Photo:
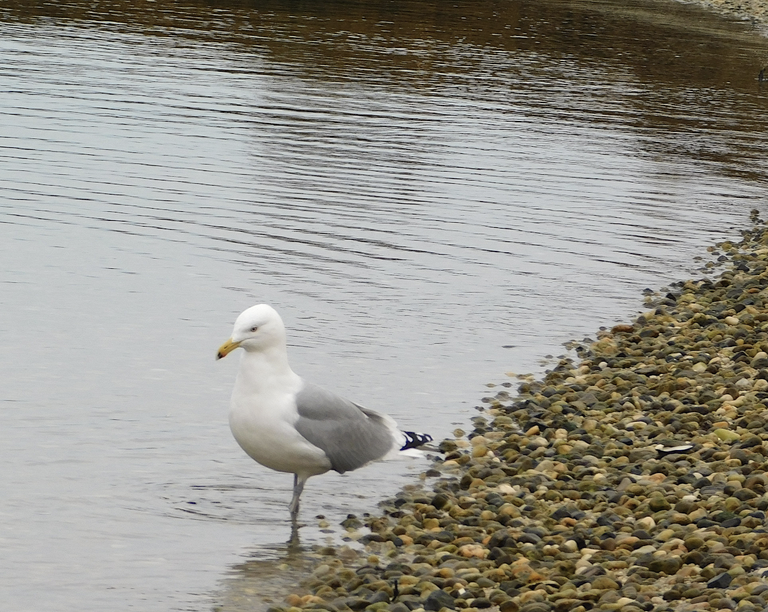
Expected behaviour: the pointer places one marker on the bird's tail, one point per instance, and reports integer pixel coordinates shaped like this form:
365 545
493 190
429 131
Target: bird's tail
415 440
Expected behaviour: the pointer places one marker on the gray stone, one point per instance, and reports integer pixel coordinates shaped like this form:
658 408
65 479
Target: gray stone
439 599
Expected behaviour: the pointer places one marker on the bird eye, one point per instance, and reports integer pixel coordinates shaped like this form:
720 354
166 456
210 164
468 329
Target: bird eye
255 328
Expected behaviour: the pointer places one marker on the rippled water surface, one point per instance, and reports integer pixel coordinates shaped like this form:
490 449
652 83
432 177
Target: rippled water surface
432 195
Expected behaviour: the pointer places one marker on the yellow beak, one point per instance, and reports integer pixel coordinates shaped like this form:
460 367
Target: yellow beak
226 348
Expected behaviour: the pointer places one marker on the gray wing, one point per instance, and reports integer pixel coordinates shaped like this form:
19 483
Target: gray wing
350 435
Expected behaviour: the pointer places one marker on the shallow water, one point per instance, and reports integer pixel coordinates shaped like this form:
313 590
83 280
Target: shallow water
431 196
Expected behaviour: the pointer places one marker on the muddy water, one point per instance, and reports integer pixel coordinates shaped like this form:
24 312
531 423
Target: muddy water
432 196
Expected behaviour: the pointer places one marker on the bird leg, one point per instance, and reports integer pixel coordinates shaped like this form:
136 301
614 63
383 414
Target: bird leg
298 487
294 543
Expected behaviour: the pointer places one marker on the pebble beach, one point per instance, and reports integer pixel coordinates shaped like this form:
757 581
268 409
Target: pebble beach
631 477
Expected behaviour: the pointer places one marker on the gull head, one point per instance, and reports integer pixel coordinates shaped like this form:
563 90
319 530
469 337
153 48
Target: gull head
256 329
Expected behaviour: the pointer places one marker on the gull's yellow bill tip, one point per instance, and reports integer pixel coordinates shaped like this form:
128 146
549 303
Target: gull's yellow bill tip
226 348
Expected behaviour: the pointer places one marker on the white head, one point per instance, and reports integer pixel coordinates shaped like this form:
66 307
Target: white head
256 329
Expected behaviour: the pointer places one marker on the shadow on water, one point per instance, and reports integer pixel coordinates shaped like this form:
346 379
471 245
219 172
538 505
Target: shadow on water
490 48
409 40
269 573
261 579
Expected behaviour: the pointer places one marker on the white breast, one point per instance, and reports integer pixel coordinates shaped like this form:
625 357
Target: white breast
261 418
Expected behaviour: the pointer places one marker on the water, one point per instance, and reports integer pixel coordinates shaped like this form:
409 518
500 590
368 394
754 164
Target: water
432 196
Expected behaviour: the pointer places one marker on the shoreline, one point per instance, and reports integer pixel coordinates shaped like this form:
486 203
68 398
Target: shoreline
753 11
633 480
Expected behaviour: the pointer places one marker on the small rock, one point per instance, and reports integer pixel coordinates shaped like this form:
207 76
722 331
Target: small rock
658 503
720 582
605 583
646 523
473 550
726 435
438 600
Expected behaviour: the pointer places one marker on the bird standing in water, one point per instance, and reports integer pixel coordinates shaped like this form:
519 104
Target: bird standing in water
290 425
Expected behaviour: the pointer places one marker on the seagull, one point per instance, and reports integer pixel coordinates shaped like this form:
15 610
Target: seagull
289 425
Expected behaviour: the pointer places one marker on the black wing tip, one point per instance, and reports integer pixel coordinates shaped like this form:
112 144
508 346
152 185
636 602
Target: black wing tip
415 440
